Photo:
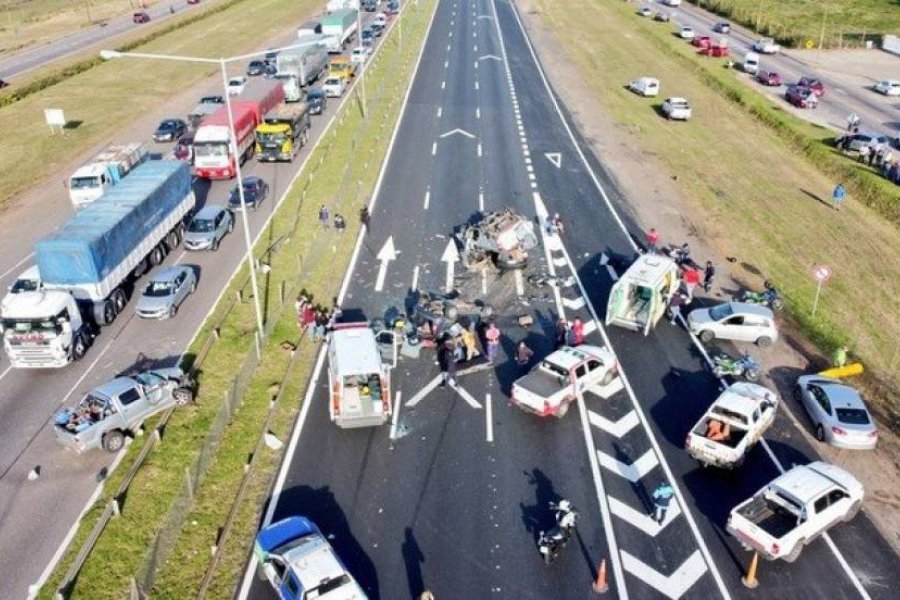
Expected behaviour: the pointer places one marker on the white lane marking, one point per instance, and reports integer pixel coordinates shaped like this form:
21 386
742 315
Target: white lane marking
675 585
589 328
427 199
573 303
481 201
451 34
489 56
476 64
446 63
479 148
423 392
17 265
8 369
555 158
440 111
477 112
612 273
489 418
614 428
448 47
396 416
476 85
443 84
451 257
633 471
476 48
459 131
415 281
465 395
434 148
483 283
646 523
520 283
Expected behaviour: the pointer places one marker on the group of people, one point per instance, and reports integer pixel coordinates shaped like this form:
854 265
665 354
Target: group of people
325 220
458 344
880 156
689 273
569 334
315 319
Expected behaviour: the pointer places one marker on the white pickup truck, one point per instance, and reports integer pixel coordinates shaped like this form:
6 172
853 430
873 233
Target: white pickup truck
732 425
561 377
794 509
766 46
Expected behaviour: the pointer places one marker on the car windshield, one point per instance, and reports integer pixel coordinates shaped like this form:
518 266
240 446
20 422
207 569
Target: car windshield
26 326
24 285
329 585
149 378
167 125
210 150
556 369
270 137
158 289
201 226
317 95
84 183
720 312
852 416
212 100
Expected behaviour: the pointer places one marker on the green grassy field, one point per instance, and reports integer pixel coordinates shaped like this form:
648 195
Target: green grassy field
759 198
844 22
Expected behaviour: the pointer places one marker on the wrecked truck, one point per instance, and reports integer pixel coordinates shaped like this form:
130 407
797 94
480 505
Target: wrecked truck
502 238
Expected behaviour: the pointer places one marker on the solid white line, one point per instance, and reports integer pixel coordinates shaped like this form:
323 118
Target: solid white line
396 416
483 283
16 266
481 201
434 148
520 283
8 369
301 418
415 281
427 199
489 418
440 111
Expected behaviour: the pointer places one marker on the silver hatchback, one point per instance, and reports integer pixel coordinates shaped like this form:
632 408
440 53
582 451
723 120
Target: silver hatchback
837 412
165 292
734 321
208 227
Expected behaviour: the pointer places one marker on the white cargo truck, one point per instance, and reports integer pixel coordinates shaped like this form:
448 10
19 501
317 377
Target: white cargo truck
299 68
105 170
339 26
359 378
640 297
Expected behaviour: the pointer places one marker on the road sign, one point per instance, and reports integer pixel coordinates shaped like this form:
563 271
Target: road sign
821 273
810 44
55 118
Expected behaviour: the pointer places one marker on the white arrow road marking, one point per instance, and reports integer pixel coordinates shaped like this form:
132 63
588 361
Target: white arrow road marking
423 392
609 390
631 472
486 17
676 584
457 130
555 158
465 395
642 521
616 428
451 257
489 57
574 303
385 255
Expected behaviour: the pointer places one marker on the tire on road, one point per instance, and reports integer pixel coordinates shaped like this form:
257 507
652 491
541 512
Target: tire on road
764 341
706 336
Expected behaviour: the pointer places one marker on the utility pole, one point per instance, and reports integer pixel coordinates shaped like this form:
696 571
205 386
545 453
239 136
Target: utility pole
87 9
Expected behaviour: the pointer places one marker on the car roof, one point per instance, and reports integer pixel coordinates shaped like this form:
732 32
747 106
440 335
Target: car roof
567 357
748 309
252 180
168 273
676 100
743 397
808 482
209 211
841 395
114 387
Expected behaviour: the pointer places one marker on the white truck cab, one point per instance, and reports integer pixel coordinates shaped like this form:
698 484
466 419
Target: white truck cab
43 329
28 280
358 376
750 64
734 423
640 296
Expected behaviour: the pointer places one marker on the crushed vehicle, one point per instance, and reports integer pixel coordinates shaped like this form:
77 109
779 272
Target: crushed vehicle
558 380
115 409
794 509
502 238
734 423
434 315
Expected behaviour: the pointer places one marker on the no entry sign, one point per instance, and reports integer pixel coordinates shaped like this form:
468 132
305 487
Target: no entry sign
821 273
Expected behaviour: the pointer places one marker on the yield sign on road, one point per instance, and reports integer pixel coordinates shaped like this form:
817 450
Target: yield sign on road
555 158
459 131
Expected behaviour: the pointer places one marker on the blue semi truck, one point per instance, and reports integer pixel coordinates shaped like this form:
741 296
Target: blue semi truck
85 265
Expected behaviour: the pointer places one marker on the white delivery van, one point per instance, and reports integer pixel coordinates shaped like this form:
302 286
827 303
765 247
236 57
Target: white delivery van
358 377
639 298
751 63
645 86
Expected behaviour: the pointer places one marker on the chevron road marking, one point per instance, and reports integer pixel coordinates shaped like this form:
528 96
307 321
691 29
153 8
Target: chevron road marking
643 521
423 392
465 395
675 585
617 428
632 472
575 303
559 261
607 391
589 327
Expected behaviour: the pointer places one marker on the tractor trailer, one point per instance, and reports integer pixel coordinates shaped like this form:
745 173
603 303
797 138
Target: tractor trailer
298 68
284 131
339 26
103 171
213 155
85 265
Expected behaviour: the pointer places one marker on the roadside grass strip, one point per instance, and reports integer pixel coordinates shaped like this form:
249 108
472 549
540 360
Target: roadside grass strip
340 172
759 194
796 23
103 97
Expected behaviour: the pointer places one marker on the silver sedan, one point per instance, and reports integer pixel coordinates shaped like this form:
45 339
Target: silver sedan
837 412
165 292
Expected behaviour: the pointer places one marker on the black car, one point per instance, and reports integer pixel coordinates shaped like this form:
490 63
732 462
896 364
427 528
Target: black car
212 99
722 27
169 130
367 34
255 191
317 101
377 29
256 67
370 5
271 69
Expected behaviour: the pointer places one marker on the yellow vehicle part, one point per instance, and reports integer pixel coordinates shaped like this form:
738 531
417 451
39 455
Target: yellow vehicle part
845 371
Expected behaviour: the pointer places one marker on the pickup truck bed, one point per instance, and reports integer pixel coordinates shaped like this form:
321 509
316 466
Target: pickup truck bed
771 518
541 383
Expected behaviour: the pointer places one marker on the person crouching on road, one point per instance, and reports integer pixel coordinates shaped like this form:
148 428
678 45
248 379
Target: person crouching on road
562 330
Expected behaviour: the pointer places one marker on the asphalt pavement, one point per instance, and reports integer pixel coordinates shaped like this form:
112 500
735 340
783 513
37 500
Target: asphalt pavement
40 55
450 496
29 398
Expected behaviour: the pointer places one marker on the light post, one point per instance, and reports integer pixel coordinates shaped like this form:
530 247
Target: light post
222 62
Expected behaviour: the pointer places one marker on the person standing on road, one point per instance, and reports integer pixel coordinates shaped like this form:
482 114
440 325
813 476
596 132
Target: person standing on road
652 240
493 341
708 274
662 496
837 196
577 332
523 355
675 303
690 278
852 121
364 217
324 217
864 154
447 361
468 338
562 328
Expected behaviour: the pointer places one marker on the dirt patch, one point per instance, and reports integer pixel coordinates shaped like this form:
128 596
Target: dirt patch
657 200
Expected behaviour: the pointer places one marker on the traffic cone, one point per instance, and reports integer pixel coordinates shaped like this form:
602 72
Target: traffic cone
600 586
749 580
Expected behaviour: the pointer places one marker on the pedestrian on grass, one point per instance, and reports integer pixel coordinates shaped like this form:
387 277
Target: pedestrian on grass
675 303
577 332
364 217
662 496
708 274
652 240
840 356
562 328
523 355
324 217
837 196
339 223
493 341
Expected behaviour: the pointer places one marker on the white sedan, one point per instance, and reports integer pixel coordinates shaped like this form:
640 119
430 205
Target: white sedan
888 87
677 108
334 87
686 33
236 85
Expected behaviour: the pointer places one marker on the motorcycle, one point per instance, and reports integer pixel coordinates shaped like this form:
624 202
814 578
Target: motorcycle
743 366
771 297
551 543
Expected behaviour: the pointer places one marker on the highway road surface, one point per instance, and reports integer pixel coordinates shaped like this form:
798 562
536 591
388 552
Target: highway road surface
29 398
452 494
40 55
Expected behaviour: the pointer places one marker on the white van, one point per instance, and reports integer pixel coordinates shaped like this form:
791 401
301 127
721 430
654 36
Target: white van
640 297
751 63
645 86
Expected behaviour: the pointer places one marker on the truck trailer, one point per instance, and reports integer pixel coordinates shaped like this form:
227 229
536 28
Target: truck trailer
298 68
339 26
85 266
213 158
103 171
284 131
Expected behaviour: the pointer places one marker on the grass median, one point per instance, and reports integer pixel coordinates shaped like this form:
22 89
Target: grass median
341 172
752 191
103 100
834 23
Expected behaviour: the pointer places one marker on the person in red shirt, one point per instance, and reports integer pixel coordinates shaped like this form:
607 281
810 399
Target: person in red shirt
652 240
577 332
690 278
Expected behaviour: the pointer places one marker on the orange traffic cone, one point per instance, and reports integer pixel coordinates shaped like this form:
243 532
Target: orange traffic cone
600 586
749 580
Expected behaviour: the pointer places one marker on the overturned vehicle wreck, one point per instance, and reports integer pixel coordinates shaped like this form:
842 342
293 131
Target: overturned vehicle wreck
501 238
